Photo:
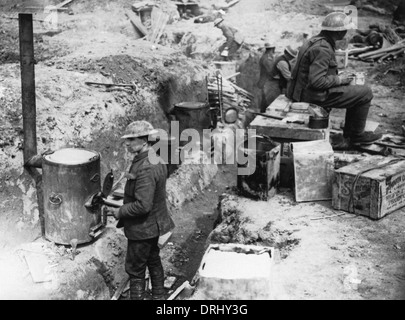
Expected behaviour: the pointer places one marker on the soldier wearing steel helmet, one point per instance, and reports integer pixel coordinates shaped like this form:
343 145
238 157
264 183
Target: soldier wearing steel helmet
144 214
279 76
234 39
266 65
315 79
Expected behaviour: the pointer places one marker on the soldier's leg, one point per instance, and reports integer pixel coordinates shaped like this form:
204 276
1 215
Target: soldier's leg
156 272
135 265
357 101
271 92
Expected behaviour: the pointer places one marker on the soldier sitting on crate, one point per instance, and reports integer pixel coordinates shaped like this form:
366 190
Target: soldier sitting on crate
315 80
234 39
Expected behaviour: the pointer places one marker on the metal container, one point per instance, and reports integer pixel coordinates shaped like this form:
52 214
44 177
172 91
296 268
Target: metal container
318 123
193 115
70 177
263 183
313 170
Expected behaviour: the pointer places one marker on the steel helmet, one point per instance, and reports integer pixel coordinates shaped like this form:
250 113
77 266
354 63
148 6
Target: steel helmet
268 45
138 129
292 52
337 21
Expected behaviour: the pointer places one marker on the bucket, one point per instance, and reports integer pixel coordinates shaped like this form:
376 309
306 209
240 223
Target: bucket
263 183
70 177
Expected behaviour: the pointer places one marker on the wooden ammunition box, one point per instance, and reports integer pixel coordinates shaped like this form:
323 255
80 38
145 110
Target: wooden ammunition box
373 187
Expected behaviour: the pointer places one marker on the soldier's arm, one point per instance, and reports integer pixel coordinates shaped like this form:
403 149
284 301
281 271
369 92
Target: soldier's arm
283 67
320 62
227 32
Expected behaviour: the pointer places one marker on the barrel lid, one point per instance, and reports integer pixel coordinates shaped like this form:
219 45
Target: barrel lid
191 105
71 156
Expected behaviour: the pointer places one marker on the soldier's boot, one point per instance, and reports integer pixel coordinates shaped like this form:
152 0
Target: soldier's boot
136 289
157 278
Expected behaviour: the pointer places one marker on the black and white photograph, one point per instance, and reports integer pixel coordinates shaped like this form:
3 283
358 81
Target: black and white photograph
202 154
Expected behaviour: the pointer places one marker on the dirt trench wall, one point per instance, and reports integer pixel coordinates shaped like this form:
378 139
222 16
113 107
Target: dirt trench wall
73 114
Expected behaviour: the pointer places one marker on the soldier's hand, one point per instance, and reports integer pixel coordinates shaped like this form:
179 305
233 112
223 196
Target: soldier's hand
113 212
345 79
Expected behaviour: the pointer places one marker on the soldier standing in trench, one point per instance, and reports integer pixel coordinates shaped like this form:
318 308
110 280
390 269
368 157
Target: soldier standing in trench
266 66
280 74
234 39
315 79
144 214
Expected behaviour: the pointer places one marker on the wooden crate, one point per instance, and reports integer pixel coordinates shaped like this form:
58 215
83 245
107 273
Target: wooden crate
313 170
373 187
236 272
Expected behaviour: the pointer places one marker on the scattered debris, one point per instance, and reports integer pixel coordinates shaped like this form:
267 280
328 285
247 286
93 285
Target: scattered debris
169 282
329 217
38 265
380 43
73 243
185 285
120 289
137 23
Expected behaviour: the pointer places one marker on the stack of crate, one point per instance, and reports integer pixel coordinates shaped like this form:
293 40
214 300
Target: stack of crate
287 133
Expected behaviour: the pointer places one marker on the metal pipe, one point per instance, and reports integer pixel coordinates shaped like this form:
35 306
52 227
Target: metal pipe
28 85
27 62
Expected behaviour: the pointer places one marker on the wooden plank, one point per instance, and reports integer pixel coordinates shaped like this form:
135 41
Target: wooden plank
232 3
120 289
156 17
38 266
288 131
179 290
64 3
137 23
162 28
395 47
281 104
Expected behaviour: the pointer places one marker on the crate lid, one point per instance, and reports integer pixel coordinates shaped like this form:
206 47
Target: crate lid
312 147
376 167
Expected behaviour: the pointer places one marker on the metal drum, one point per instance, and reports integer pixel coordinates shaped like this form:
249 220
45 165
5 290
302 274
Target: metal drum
263 183
194 115
70 177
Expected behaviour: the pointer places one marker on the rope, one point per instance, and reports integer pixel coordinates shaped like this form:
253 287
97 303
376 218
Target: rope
356 179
